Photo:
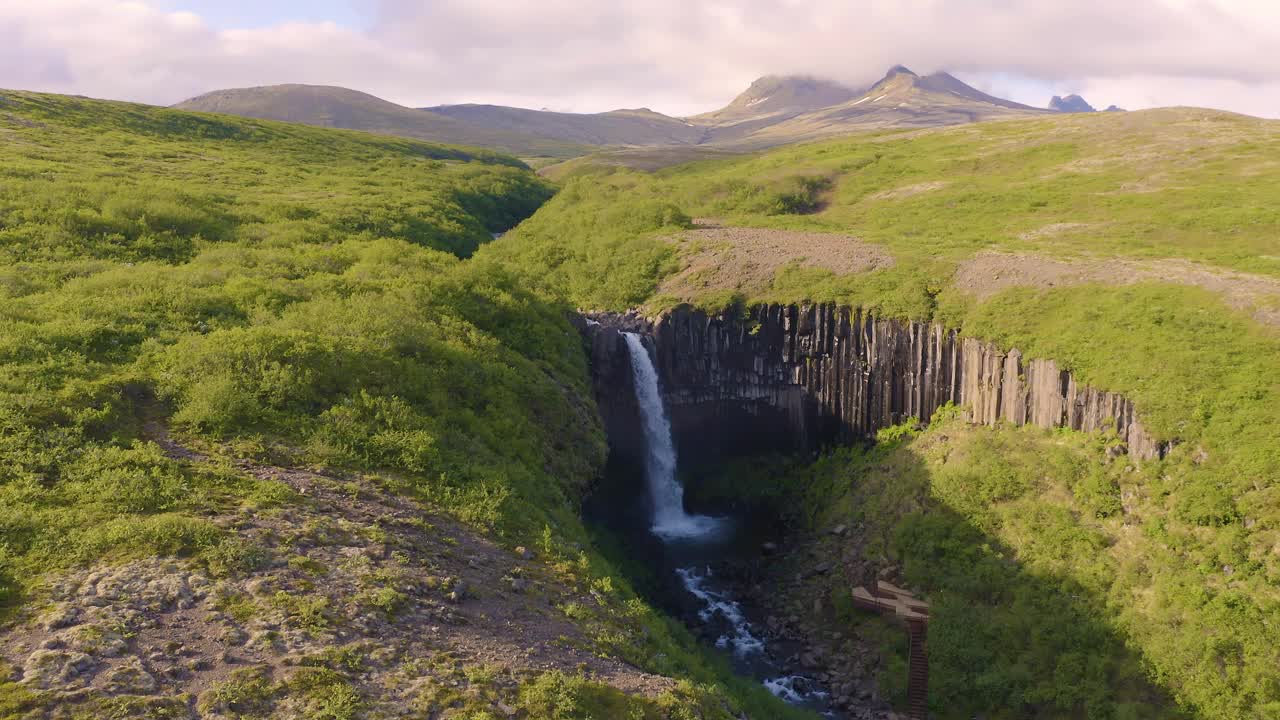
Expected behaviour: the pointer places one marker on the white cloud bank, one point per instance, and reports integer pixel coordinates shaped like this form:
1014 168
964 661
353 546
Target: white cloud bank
678 56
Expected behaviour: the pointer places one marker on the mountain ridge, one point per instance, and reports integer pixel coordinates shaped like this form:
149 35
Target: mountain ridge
779 94
772 110
900 99
339 107
624 126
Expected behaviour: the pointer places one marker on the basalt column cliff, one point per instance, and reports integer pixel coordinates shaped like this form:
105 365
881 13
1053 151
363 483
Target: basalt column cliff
796 378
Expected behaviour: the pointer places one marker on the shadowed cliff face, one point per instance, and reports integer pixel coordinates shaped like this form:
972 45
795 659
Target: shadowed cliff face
796 378
614 384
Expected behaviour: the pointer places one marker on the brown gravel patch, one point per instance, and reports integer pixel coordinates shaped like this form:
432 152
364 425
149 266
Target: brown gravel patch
745 259
990 273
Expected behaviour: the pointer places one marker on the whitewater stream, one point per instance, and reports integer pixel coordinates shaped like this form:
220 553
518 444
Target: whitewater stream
696 542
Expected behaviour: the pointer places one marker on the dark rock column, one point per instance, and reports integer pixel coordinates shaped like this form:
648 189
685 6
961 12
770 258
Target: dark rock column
799 377
614 384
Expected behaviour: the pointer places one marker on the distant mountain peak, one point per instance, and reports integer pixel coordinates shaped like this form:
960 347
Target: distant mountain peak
794 85
783 94
898 75
1070 104
901 82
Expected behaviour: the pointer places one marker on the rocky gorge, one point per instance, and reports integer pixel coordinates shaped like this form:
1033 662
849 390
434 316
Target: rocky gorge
796 378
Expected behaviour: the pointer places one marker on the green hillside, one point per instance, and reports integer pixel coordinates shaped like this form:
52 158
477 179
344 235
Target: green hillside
285 433
255 350
1141 251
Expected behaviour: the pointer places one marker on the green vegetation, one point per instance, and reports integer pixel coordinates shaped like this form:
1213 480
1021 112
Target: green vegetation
260 281
15 698
324 694
246 694
163 185
302 297
556 696
1007 532
1187 184
1065 589
328 298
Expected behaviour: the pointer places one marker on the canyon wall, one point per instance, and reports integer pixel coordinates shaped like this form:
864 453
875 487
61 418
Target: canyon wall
797 378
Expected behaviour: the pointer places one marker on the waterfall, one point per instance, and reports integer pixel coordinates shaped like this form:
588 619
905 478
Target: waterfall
670 521
703 535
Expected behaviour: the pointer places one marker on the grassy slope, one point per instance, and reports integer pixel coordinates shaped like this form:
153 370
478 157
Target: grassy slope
1165 183
256 275
297 294
1187 572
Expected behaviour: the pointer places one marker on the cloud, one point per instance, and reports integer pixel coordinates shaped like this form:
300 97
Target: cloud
677 56
25 63
131 50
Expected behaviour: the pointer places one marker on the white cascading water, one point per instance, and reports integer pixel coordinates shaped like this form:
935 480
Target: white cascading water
718 605
670 521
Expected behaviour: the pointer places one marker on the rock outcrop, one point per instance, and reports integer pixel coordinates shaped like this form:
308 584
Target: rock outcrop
797 378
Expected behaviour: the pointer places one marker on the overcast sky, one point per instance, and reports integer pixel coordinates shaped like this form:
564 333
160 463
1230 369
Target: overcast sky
675 56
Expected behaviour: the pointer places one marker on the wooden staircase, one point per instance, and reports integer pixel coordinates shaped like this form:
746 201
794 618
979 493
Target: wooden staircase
896 602
917 671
